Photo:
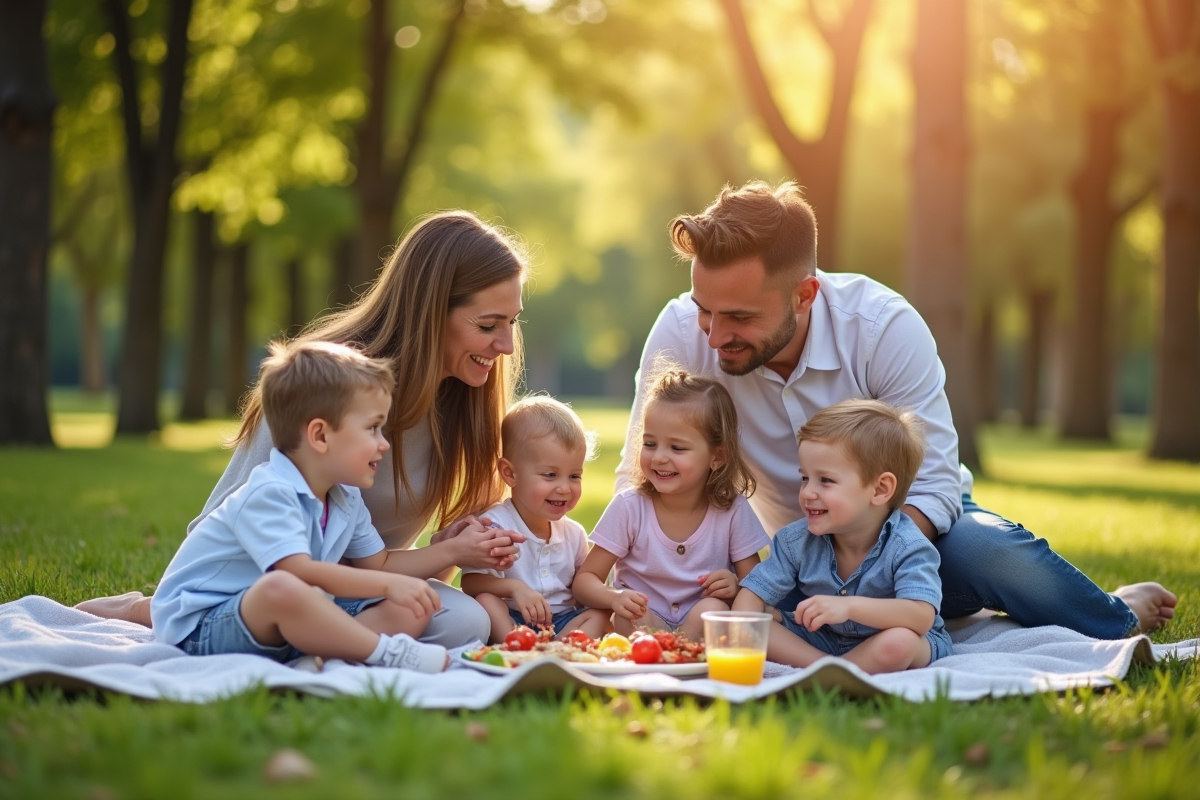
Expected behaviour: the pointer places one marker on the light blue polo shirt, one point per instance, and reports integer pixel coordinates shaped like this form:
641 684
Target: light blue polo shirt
903 564
273 515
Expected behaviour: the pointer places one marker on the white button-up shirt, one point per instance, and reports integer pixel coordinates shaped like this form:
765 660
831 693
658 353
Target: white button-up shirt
546 566
864 341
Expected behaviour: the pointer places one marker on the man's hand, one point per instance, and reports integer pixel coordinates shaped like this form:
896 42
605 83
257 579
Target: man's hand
630 604
822 609
413 594
721 584
532 605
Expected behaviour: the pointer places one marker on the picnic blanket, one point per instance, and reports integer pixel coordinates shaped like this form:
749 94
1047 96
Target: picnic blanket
44 643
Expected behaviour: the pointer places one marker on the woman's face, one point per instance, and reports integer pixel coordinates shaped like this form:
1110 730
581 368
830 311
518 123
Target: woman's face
481 331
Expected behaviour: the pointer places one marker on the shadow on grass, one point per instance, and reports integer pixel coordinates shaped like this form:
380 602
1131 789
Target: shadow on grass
1180 499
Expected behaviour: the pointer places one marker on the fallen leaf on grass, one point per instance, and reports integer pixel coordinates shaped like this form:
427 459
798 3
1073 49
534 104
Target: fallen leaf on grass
620 706
873 724
977 754
1154 740
288 765
477 731
1115 747
637 730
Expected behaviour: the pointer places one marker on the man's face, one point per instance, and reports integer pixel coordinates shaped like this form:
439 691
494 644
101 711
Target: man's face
747 319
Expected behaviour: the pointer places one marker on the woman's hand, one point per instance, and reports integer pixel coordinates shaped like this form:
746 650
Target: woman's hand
454 529
486 548
721 584
630 604
414 595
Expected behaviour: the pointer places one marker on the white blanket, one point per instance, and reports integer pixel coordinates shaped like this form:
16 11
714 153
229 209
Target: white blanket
44 643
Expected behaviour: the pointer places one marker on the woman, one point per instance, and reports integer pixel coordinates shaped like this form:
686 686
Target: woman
444 312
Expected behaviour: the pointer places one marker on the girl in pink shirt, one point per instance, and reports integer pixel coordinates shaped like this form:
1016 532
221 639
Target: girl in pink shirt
684 536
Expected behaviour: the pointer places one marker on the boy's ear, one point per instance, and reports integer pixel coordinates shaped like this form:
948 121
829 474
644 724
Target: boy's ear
885 487
316 434
508 473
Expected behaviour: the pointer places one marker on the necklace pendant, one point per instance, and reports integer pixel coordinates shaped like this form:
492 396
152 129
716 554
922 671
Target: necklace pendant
681 549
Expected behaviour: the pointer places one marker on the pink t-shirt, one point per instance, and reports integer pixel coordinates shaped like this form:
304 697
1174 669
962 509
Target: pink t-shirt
664 570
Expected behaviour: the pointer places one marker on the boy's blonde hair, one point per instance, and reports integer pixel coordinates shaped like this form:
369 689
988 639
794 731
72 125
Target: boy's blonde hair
303 381
541 415
706 405
877 437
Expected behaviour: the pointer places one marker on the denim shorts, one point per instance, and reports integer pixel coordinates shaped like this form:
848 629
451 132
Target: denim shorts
559 621
222 631
835 644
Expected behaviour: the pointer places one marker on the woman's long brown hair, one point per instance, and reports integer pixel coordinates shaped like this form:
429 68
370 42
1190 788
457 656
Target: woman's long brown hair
443 261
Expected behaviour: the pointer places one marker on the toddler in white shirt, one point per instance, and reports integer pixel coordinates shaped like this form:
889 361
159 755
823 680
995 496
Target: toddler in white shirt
544 446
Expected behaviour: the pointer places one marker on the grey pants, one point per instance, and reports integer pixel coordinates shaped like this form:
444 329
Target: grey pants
460 621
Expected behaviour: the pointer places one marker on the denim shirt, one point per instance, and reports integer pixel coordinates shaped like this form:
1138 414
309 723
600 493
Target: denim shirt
903 565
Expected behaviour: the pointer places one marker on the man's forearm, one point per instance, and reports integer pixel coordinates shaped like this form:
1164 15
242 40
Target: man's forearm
922 521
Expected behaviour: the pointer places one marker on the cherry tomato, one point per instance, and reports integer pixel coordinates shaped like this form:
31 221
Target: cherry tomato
578 638
646 650
520 638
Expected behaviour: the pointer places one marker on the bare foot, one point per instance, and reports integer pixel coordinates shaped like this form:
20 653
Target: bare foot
1153 604
130 607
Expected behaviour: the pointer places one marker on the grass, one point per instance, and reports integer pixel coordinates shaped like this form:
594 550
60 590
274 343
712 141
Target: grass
88 519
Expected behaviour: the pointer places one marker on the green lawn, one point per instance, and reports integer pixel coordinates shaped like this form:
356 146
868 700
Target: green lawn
89 519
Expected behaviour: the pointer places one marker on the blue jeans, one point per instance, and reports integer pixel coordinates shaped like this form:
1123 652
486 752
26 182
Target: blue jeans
989 562
559 621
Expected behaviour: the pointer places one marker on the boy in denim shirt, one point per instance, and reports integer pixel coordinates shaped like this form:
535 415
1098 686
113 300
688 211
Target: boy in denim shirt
869 575
261 573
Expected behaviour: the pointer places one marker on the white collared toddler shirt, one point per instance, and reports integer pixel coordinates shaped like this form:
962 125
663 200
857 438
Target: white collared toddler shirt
547 567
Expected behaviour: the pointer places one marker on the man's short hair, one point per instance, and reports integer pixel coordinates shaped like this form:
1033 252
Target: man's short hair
877 437
777 225
541 415
303 381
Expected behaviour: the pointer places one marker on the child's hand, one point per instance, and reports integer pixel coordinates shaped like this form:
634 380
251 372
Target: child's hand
721 584
413 594
630 604
533 606
822 609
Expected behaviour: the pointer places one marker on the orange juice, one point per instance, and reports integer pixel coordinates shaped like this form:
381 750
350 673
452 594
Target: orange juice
742 665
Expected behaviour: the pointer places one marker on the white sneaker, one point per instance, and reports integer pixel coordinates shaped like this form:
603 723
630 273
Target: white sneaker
405 652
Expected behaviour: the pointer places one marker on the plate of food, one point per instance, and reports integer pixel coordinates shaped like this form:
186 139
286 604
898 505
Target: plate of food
614 654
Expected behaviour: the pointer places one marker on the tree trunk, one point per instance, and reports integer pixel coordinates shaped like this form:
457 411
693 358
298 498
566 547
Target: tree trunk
380 180
236 374
817 165
199 338
91 345
342 255
1177 378
985 362
294 271
1087 399
152 167
1039 305
27 105
937 279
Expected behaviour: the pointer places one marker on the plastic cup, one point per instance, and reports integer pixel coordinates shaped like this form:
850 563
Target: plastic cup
735 644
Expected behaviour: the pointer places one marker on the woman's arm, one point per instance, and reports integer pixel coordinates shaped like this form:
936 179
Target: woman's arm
473 546
346 581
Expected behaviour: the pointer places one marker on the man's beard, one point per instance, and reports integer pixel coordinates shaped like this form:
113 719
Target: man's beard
763 352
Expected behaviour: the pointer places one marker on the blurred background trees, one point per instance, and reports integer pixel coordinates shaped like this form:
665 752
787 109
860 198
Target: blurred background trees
226 170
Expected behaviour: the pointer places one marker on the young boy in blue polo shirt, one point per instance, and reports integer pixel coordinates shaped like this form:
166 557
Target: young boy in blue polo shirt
869 575
261 573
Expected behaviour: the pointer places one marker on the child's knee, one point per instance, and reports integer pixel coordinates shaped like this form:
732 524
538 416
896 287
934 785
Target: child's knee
280 589
897 647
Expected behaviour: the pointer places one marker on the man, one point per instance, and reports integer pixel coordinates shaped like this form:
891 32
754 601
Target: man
787 340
